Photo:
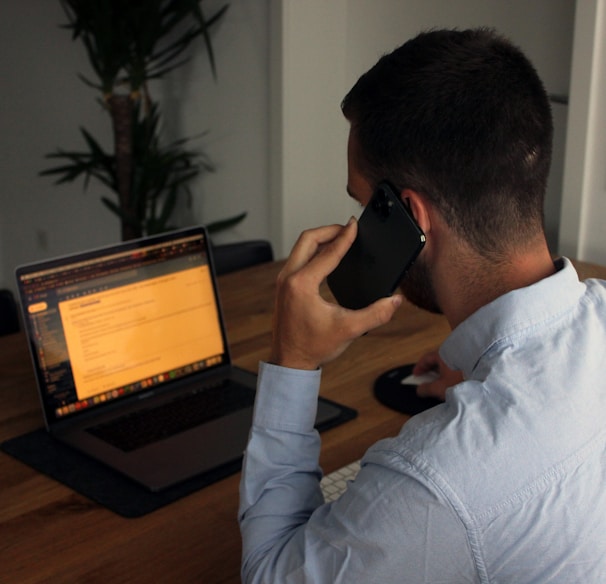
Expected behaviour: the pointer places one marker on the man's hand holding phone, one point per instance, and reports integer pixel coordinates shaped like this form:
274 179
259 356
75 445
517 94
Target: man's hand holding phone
309 331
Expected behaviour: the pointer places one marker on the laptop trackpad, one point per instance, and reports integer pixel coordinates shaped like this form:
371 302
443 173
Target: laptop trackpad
182 456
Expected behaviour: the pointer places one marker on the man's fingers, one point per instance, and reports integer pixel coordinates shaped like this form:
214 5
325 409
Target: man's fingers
428 362
332 240
436 389
332 253
308 244
373 316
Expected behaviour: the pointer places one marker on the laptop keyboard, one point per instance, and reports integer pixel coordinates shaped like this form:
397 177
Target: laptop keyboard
187 411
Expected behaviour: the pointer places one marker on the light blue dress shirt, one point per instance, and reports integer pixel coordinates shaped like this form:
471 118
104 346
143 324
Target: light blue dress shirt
504 482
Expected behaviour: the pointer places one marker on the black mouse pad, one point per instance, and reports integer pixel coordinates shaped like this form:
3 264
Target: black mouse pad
390 391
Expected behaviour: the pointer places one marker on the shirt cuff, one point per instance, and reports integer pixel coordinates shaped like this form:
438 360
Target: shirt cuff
287 399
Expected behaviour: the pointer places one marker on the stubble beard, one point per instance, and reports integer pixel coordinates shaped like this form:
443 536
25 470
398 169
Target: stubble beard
417 287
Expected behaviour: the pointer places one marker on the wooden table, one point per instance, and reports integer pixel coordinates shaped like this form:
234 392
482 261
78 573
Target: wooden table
48 533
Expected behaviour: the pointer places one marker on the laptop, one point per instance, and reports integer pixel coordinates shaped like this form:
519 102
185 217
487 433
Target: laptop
132 361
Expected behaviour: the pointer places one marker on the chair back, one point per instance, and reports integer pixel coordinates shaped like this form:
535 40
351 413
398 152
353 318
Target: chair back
9 313
230 257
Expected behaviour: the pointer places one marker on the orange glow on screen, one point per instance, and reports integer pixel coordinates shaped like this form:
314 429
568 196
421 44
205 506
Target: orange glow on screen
108 333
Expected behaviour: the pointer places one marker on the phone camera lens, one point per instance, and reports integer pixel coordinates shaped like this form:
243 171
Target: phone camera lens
382 205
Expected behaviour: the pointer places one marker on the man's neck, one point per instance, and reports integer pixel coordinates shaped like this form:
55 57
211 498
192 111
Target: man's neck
472 281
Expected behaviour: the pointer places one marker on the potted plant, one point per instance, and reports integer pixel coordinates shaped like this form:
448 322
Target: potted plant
130 43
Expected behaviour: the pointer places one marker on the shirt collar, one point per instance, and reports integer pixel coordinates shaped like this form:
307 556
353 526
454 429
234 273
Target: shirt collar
511 314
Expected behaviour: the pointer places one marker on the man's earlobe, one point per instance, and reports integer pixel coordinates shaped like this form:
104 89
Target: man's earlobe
418 206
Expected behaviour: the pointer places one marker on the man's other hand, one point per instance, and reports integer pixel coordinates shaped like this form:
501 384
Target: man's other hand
447 377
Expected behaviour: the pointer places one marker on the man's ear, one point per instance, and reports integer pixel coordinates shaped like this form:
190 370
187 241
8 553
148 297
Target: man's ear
419 207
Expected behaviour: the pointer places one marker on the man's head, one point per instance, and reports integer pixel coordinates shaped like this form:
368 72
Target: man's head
462 118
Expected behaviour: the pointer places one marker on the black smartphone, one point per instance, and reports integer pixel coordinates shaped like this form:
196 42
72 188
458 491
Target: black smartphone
388 242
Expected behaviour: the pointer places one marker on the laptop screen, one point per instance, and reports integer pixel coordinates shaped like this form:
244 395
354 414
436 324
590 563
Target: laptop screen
107 324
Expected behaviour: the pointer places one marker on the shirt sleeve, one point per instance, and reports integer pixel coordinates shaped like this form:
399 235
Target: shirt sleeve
390 525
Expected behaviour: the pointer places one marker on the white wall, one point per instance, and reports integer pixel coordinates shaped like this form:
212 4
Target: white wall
234 111
326 46
308 134
582 233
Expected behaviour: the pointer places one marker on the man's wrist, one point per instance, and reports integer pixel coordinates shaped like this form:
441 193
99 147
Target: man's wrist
290 361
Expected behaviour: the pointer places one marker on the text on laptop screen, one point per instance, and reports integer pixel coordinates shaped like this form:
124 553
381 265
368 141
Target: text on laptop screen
115 324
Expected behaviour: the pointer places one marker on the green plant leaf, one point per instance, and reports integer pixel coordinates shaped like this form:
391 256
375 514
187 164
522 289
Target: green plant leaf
226 223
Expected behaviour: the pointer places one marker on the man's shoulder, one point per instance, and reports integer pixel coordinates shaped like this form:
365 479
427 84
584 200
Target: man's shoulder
481 448
596 288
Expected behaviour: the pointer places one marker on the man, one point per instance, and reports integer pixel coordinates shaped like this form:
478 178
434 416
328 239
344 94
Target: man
506 480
